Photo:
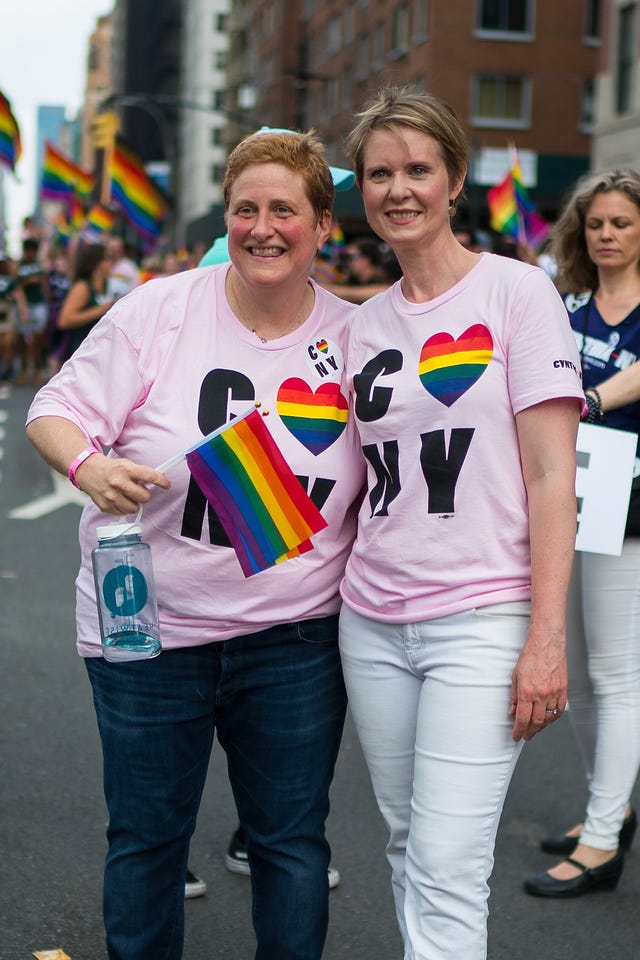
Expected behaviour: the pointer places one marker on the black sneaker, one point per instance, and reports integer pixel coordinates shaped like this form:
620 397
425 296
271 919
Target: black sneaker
194 886
236 859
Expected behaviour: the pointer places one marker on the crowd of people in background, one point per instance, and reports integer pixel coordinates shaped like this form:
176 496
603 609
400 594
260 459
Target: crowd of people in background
51 296
37 334
448 639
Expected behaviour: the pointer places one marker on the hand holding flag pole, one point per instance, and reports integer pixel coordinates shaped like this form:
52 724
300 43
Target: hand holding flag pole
176 458
261 504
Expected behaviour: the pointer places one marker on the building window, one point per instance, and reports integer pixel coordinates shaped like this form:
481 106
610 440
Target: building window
501 101
220 22
505 17
346 91
219 59
217 100
587 105
378 46
267 20
217 173
400 32
333 35
247 97
625 59
362 57
420 11
331 97
216 137
349 30
94 57
592 22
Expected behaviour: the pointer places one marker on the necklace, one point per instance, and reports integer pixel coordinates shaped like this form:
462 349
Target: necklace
236 308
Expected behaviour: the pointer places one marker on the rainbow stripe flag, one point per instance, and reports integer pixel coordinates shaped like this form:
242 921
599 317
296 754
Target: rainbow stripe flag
62 178
63 231
10 144
140 199
512 212
76 212
101 218
336 237
259 501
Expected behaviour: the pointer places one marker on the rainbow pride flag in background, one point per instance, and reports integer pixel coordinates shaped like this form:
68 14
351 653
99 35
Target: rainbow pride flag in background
62 179
261 504
76 212
63 229
140 199
10 144
101 218
511 210
336 237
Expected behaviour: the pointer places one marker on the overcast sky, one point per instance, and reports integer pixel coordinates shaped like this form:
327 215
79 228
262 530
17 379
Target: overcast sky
43 55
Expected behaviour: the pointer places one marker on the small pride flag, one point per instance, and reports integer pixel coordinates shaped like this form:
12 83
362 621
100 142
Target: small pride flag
62 178
140 200
512 212
76 212
261 504
101 218
336 237
10 145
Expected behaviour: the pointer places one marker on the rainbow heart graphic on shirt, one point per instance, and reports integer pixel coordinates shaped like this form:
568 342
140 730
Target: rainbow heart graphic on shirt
322 346
317 418
448 367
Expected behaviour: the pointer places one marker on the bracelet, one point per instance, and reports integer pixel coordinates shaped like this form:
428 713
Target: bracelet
77 462
593 399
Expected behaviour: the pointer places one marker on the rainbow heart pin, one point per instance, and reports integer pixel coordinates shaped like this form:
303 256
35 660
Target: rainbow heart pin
322 346
449 367
317 418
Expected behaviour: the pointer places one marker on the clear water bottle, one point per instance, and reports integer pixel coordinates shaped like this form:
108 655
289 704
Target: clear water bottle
126 594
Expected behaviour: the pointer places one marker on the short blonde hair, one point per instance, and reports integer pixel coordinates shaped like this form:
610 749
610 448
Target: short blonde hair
301 152
403 105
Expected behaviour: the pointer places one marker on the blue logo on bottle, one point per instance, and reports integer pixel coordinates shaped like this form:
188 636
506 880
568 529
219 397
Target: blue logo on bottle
125 591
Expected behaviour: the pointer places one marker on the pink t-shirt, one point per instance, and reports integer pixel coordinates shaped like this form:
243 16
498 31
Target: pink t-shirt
167 365
436 386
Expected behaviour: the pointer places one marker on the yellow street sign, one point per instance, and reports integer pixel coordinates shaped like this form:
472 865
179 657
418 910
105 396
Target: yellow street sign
104 128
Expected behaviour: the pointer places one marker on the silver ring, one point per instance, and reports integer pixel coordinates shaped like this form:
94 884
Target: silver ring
552 712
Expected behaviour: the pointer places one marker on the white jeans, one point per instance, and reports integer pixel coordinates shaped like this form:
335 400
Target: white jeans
430 702
603 653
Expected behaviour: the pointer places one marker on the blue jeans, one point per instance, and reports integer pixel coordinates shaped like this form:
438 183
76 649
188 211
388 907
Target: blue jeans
277 701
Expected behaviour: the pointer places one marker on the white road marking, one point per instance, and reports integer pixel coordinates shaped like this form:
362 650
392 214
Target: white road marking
63 493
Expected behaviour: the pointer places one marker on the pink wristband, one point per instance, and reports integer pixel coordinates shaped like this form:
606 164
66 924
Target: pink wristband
78 461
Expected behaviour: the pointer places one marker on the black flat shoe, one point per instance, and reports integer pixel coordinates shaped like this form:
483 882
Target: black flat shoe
604 877
564 845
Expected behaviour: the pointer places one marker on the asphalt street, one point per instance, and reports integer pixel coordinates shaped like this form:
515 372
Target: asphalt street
53 817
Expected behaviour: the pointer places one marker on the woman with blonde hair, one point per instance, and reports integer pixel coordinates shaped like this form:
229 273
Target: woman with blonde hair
597 246
452 628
